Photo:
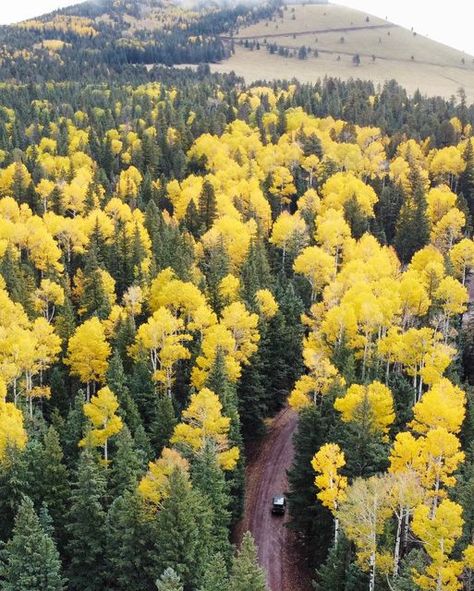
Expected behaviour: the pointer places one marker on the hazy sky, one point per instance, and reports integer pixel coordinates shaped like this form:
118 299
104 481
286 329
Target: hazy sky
448 22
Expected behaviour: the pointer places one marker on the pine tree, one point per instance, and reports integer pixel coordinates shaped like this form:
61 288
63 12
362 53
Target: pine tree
309 517
86 527
192 220
332 574
280 346
207 206
412 231
218 381
215 576
14 278
117 381
127 465
131 544
163 422
74 429
208 477
246 574
94 300
169 581
215 265
30 560
387 210
14 482
256 273
49 482
253 397
183 536
355 217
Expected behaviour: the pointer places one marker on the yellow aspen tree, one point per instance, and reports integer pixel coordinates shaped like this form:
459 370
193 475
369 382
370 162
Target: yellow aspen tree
389 347
105 423
289 233
405 454
317 266
133 300
405 494
47 297
12 431
331 484
88 353
462 258
283 185
378 400
448 230
266 303
129 183
44 189
344 186
182 298
229 288
363 514
310 164
309 204
154 486
415 301
321 377
332 233
46 346
244 328
162 337
446 165
440 457
453 297
443 405
438 530
203 424
429 265
216 336
418 347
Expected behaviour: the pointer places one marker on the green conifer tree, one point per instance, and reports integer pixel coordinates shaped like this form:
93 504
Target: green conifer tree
94 300
131 544
215 576
412 231
207 206
14 481
30 560
86 527
49 481
127 466
169 581
184 526
162 423
208 477
117 382
246 574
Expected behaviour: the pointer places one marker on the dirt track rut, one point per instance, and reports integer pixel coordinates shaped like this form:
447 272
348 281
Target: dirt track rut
266 477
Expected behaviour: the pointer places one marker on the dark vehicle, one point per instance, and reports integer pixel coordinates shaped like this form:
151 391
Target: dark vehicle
278 505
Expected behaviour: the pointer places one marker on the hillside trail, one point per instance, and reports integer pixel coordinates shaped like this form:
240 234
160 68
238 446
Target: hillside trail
266 477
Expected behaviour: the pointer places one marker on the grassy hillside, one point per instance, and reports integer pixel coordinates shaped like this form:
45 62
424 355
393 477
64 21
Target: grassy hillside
338 34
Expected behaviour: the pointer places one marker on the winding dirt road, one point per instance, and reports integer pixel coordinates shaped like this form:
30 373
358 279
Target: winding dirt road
266 476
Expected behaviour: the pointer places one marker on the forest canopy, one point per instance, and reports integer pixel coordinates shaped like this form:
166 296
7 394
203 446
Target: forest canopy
183 255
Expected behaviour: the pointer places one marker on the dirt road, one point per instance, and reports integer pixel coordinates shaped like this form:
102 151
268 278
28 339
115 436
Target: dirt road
312 32
266 476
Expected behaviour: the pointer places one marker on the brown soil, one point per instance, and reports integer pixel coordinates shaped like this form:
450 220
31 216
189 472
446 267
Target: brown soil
267 476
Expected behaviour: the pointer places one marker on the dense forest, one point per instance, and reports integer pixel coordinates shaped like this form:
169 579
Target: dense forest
96 40
182 256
